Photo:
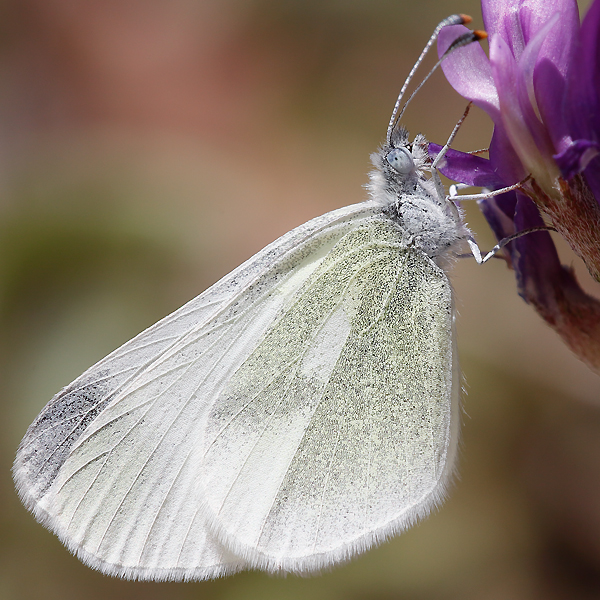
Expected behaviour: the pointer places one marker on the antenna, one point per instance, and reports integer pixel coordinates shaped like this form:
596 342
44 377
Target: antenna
462 40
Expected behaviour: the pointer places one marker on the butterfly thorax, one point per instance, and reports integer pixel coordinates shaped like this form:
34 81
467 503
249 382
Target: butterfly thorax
409 198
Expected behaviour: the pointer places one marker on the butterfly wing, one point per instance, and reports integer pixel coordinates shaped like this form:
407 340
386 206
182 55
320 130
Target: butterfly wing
340 428
111 463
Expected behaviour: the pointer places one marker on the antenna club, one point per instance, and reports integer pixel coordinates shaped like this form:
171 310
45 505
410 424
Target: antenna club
465 18
480 34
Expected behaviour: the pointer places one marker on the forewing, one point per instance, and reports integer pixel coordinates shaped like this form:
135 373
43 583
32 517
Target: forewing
340 428
111 463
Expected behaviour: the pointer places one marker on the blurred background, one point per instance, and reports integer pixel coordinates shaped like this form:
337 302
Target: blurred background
147 147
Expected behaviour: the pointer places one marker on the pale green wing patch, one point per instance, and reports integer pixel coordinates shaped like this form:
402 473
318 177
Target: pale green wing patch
340 428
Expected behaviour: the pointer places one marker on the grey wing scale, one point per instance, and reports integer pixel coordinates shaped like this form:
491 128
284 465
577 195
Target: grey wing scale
110 464
340 429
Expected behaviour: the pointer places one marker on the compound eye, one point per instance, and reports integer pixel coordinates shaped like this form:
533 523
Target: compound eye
401 160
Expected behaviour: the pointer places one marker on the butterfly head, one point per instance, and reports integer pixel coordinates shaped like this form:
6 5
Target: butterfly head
400 167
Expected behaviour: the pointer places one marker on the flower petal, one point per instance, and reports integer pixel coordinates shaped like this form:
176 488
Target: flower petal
550 90
559 41
590 63
584 80
528 96
551 70
504 158
576 157
467 168
516 113
517 21
506 75
535 259
468 71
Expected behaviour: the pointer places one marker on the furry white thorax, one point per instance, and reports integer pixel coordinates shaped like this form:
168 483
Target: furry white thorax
427 221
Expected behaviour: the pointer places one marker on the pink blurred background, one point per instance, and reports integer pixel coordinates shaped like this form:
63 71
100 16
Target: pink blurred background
147 148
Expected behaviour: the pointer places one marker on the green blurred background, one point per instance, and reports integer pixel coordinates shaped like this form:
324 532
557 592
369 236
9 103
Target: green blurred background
147 147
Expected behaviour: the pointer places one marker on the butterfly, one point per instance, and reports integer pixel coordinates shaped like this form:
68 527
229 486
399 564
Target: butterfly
301 410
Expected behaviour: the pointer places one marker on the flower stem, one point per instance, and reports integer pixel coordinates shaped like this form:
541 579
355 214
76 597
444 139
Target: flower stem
575 214
575 316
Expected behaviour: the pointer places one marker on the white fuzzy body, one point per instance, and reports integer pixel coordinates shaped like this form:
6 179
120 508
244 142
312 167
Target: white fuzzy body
428 221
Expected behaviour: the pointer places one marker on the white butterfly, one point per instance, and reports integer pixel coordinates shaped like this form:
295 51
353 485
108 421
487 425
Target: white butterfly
299 411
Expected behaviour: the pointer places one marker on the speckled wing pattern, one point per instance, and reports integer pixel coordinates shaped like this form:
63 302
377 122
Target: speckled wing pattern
105 465
340 428
298 411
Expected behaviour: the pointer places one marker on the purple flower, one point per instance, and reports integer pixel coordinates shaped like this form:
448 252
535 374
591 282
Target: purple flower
541 87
